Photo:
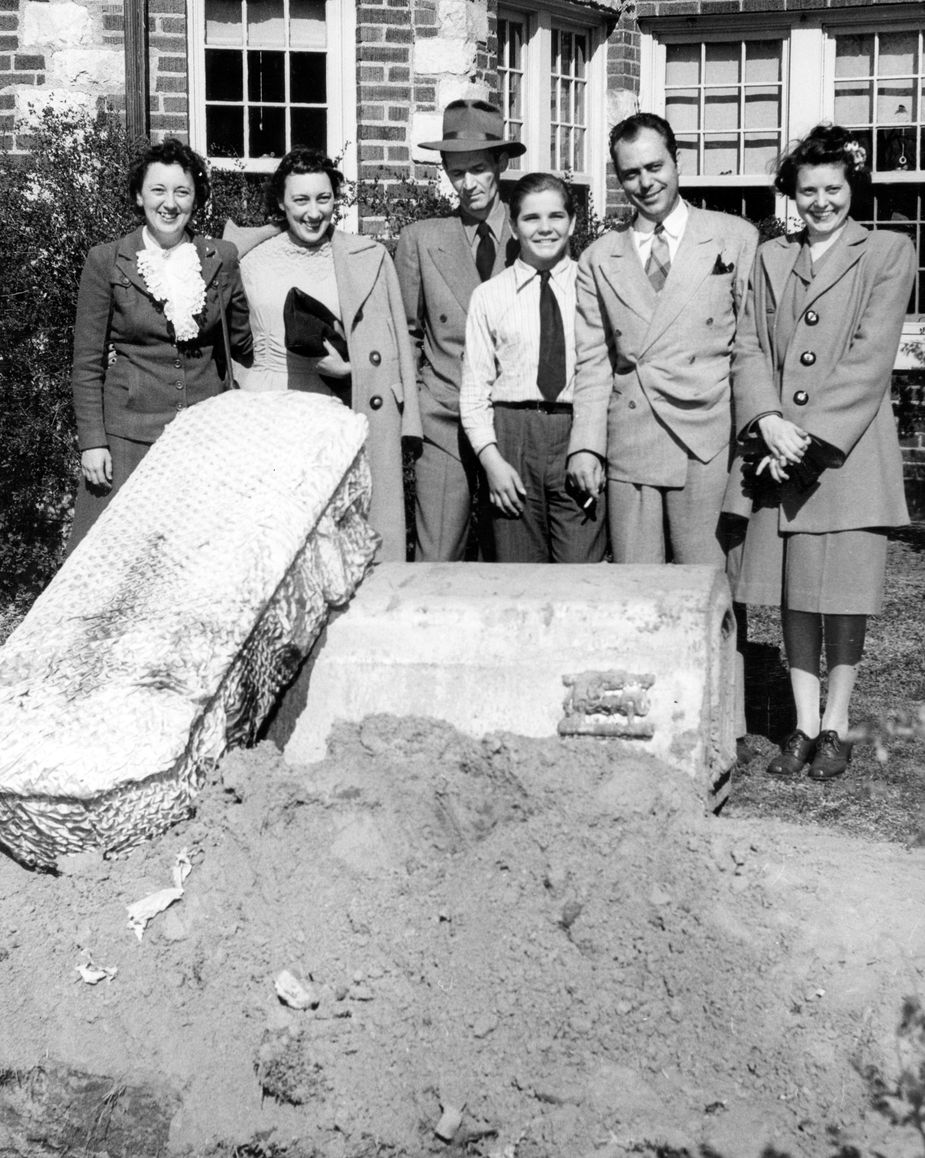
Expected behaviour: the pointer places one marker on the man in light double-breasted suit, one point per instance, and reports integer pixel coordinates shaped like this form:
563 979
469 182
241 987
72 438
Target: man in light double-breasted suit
440 261
658 300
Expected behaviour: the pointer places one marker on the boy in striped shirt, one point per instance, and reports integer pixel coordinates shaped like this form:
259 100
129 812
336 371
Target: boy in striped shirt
517 383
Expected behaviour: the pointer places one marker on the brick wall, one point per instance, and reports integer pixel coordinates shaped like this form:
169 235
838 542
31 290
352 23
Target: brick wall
168 105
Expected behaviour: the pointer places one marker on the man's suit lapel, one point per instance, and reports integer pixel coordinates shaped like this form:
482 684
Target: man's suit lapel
692 265
453 258
357 261
623 272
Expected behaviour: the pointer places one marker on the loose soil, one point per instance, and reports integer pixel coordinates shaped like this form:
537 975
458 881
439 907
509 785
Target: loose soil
549 937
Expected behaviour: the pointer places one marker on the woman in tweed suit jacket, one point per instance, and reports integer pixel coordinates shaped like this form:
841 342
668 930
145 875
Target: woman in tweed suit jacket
162 299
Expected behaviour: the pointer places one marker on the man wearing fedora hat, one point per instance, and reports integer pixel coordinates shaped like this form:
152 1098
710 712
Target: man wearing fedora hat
440 261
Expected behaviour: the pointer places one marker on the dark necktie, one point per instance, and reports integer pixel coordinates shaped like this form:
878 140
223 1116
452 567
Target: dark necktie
659 262
550 372
485 251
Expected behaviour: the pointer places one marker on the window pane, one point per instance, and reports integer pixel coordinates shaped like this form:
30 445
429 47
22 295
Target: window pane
224 131
854 56
306 24
265 25
853 104
895 102
687 155
898 52
762 62
223 22
682 64
308 78
762 108
565 52
722 63
721 109
579 150
581 56
720 156
267 132
224 76
309 127
266 79
896 150
682 110
761 152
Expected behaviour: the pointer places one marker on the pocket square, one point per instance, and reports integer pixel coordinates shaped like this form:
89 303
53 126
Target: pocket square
719 267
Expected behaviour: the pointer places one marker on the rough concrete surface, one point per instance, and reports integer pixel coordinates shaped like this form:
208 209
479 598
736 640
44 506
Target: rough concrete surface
536 949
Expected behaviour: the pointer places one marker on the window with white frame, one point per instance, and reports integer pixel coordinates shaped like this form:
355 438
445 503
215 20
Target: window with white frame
270 74
551 77
737 96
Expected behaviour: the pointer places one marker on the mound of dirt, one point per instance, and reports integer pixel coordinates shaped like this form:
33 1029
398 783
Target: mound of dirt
508 947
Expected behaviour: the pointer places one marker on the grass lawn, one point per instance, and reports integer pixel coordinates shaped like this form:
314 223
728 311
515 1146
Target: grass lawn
877 800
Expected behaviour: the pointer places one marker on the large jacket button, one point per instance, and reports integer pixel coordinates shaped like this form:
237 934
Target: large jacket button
375 403
179 385
808 358
632 405
812 318
375 357
181 406
801 398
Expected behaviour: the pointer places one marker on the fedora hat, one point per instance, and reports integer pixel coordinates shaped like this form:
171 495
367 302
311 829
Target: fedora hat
469 126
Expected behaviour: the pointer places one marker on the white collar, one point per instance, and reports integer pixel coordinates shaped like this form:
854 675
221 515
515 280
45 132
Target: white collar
674 223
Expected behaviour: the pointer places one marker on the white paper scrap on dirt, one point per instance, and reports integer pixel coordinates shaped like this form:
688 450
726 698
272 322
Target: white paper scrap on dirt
140 912
93 974
295 993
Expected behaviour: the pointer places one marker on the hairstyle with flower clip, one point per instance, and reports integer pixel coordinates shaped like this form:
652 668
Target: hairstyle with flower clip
823 145
299 160
170 151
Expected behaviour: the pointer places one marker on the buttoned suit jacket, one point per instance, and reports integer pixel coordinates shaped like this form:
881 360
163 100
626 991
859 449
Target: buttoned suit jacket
437 274
384 383
838 364
138 394
652 378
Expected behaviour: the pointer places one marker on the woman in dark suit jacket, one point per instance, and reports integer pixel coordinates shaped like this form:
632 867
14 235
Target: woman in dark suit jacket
165 309
811 382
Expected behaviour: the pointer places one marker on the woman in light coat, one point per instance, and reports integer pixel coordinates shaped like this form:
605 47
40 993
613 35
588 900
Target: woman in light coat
811 380
353 278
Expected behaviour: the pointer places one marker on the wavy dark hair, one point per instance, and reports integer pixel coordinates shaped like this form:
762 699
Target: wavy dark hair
540 183
630 128
823 145
298 161
170 151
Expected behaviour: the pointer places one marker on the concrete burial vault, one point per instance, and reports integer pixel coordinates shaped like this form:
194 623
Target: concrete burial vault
637 656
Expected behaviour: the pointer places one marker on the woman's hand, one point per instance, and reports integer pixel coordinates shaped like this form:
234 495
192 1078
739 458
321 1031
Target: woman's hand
96 465
505 488
786 441
332 363
774 467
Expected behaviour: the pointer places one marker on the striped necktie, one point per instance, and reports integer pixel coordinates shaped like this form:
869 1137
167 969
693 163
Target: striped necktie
659 262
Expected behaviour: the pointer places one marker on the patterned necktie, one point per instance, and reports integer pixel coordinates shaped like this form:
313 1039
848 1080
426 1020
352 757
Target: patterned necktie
659 262
550 371
485 251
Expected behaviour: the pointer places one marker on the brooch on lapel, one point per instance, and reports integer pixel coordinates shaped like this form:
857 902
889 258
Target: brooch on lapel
719 267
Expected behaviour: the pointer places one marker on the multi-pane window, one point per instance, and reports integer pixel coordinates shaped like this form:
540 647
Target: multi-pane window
568 99
879 83
265 76
551 82
511 78
725 103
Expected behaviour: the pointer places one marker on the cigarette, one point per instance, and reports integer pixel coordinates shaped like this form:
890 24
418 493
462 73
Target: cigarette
589 502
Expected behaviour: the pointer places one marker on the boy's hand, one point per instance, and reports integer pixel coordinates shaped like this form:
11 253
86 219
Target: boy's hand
506 490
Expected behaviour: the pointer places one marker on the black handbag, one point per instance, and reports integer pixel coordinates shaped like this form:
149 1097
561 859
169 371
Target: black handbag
308 323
